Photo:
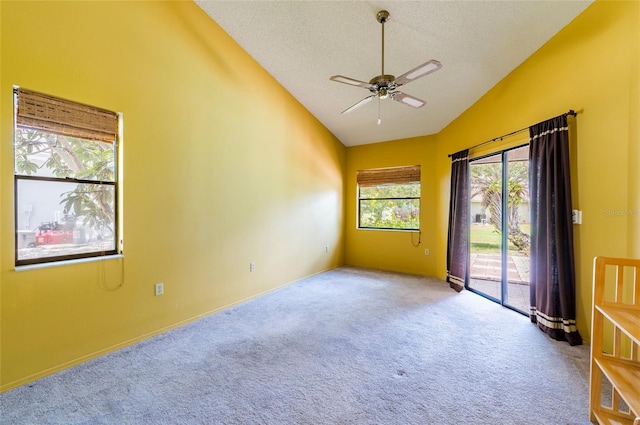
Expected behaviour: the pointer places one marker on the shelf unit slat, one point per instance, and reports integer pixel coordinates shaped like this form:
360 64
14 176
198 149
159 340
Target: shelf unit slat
609 419
626 318
624 376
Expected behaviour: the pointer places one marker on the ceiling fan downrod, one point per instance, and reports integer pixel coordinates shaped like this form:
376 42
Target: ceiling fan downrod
382 17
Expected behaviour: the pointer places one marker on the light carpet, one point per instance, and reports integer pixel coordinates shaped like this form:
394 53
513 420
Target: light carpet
349 346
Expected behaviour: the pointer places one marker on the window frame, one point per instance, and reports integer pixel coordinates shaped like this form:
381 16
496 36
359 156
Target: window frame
114 183
401 175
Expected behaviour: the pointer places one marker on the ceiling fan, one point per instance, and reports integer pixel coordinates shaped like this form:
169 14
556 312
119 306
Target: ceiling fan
384 86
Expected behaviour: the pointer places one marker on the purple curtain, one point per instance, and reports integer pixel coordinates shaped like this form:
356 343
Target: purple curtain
457 241
552 273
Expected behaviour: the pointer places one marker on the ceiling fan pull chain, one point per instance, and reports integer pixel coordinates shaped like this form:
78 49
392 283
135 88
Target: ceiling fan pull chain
379 120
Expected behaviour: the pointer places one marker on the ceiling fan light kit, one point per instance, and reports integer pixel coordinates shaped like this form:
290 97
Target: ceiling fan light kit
384 85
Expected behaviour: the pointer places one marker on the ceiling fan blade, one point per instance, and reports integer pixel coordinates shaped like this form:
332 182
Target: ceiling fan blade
419 71
359 104
408 99
350 81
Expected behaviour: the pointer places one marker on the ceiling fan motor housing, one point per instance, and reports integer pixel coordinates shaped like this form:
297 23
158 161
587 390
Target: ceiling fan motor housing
382 84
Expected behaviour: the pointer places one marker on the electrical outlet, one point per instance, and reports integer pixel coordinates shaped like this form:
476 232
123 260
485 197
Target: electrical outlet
252 266
159 289
426 251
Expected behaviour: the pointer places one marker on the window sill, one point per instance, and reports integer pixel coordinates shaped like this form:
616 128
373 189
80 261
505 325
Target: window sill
68 262
389 230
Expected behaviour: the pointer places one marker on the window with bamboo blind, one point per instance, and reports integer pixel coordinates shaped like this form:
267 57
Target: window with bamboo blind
389 198
65 179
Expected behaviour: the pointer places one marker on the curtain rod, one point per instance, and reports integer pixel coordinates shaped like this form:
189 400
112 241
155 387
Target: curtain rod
571 112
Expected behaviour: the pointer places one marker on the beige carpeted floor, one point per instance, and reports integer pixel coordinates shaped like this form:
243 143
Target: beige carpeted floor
349 346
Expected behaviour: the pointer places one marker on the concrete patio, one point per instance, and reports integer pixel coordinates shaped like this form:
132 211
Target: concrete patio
486 273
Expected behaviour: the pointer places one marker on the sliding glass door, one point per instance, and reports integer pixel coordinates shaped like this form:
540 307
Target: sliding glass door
499 231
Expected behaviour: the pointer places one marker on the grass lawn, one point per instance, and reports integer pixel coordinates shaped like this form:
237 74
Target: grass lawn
485 239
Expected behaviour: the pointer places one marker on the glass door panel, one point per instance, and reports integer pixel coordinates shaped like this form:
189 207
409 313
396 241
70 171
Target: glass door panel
499 260
485 242
518 225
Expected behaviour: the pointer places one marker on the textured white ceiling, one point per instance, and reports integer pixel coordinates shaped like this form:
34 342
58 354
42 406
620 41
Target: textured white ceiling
303 43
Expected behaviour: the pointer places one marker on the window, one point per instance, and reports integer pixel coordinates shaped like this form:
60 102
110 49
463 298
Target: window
389 198
65 179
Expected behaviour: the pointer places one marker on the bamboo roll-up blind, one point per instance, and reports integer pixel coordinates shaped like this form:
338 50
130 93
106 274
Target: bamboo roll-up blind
38 111
395 175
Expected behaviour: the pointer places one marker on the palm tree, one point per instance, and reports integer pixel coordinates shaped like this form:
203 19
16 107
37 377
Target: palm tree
486 181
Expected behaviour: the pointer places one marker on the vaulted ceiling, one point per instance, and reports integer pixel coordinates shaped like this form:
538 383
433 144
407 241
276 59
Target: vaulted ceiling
303 43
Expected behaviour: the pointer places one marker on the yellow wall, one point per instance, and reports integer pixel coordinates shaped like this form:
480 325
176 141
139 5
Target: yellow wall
392 250
221 167
591 66
2 143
